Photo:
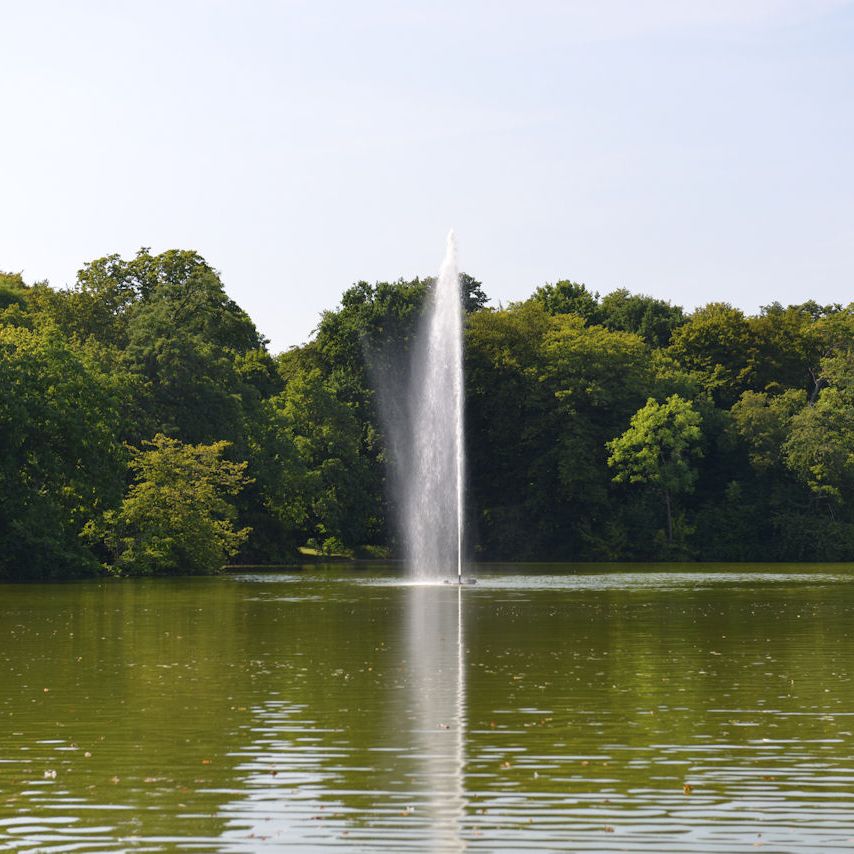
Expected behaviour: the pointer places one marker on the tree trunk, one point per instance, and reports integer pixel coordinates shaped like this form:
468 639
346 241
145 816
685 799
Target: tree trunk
669 517
819 382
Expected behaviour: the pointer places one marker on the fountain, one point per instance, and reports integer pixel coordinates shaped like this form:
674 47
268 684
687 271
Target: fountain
432 483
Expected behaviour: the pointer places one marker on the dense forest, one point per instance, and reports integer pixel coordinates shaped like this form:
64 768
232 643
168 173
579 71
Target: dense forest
145 428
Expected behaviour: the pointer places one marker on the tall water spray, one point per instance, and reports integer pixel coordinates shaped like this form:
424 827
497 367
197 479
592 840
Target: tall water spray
433 487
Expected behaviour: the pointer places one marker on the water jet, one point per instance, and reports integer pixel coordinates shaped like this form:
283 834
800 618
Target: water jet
433 482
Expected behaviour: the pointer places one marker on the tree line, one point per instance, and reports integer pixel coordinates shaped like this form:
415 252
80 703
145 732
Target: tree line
145 428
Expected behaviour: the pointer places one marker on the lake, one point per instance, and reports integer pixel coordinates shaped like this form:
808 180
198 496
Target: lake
596 708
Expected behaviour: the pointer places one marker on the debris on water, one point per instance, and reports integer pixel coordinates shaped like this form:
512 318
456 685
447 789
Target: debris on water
687 788
50 774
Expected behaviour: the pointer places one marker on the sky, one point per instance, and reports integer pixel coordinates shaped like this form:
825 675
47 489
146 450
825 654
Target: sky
695 151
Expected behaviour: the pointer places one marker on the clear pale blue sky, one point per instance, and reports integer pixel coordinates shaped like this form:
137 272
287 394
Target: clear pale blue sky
692 150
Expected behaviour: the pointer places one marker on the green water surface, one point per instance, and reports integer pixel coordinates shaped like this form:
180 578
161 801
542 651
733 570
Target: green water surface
623 708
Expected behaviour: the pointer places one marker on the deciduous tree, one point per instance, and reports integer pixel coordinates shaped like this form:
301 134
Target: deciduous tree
658 449
177 516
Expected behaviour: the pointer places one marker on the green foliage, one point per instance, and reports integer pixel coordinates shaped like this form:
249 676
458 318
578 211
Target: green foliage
373 328
60 462
820 446
176 517
334 547
750 452
658 449
786 348
658 446
597 379
183 339
603 369
653 319
620 311
507 408
370 331
548 387
565 297
327 436
13 291
763 422
716 343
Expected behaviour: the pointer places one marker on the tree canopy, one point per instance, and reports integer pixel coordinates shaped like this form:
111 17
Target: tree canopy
146 428
176 517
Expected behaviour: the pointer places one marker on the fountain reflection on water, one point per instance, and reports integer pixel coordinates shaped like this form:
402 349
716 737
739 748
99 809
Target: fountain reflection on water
437 688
